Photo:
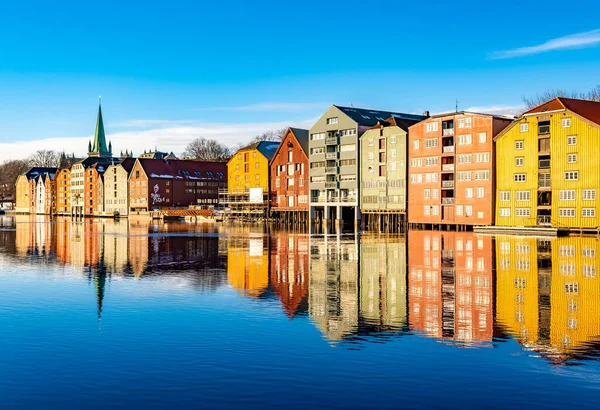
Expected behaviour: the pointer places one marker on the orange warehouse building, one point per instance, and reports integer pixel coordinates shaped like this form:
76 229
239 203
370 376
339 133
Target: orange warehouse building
451 169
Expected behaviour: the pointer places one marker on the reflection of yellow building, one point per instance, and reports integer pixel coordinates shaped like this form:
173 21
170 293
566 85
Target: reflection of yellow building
138 245
333 286
116 249
575 294
248 264
383 281
25 233
518 309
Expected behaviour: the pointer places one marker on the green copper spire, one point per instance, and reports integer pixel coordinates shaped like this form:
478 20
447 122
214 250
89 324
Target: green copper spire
99 148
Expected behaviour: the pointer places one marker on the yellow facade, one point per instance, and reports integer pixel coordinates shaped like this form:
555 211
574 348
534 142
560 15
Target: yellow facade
23 192
248 265
248 168
521 151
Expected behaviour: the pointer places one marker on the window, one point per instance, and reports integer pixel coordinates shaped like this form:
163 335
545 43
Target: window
588 253
393 139
426 210
416 144
567 195
393 153
459 210
520 177
431 143
482 137
523 195
290 156
318 136
465 139
464 158
465 175
277 183
469 193
301 181
318 150
588 271
393 166
482 157
332 120
519 144
430 161
571 158
566 122
435 193
524 127
468 210
572 287
371 155
522 212
588 212
426 193
290 182
482 175
347 147
589 194
566 212
465 122
351 131
572 140
504 195
370 142
571 175
504 211
431 127
519 161
480 192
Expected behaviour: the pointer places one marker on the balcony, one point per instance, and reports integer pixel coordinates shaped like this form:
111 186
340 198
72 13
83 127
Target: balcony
331 185
348 198
448 131
447 201
544 220
331 141
318 199
331 155
447 184
448 167
448 149
331 170
544 128
544 164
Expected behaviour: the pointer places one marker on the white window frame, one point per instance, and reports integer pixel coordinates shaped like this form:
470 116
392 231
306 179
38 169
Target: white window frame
571 175
504 196
519 161
572 140
519 144
565 122
524 127
572 158
520 178
588 194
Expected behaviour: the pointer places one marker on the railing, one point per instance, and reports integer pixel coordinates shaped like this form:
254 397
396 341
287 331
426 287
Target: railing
448 148
544 220
448 131
447 184
544 183
544 163
331 185
447 201
331 170
543 129
447 167
318 199
333 199
331 141
331 155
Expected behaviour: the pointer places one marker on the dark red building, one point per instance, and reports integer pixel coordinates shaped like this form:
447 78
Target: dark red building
167 183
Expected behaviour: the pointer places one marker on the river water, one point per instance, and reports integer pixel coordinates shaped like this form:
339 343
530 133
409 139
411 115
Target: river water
132 314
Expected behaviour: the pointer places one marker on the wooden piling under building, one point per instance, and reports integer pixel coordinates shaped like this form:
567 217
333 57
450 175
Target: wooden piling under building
384 222
296 219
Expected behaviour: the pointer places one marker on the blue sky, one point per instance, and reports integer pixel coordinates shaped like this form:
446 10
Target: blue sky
171 71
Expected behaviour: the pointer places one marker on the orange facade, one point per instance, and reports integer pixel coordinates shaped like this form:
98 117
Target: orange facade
92 198
289 173
50 192
61 186
451 169
450 285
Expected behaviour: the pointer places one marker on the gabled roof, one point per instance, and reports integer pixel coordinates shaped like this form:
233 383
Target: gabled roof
300 135
39 171
128 164
67 162
89 161
454 113
267 148
100 166
368 117
184 169
587 109
395 122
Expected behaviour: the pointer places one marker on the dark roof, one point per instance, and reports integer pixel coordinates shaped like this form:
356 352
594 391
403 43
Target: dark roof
39 171
89 161
128 164
184 169
395 122
302 137
371 117
267 148
100 166
67 162
587 109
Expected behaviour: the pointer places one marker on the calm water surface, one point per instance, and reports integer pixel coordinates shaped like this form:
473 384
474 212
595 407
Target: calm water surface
132 314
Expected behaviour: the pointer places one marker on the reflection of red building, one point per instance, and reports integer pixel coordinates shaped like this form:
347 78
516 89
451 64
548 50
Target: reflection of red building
450 285
289 270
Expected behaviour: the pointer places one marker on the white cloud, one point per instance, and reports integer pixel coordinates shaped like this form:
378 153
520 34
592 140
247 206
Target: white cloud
498 109
165 138
580 40
271 106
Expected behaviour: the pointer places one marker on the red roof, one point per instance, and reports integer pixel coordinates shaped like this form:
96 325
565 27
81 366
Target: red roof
184 169
128 164
587 109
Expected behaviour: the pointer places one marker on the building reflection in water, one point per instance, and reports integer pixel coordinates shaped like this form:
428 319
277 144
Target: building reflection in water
451 285
248 263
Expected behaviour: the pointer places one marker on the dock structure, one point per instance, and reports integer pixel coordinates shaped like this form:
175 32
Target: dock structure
251 206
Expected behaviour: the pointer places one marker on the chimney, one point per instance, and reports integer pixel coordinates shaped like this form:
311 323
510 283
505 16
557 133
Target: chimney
426 113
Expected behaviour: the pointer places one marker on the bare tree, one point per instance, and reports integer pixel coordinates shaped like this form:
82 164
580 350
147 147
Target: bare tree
205 149
538 99
9 172
44 158
270 135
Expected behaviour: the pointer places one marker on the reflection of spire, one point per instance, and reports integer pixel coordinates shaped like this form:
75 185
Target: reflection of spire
100 282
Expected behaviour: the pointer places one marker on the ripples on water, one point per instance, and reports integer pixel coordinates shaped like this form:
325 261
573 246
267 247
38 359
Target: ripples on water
131 314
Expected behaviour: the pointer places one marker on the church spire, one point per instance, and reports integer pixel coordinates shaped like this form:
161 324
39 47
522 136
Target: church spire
99 148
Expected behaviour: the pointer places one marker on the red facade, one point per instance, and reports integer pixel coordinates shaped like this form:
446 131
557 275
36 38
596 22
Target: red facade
289 172
158 183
